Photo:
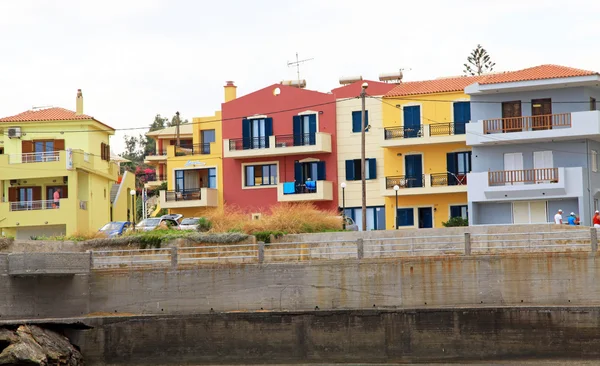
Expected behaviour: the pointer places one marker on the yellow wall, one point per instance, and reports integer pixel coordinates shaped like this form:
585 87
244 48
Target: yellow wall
123 200
435 108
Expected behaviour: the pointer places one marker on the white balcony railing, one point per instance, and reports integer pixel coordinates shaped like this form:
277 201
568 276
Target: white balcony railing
33 205
38 157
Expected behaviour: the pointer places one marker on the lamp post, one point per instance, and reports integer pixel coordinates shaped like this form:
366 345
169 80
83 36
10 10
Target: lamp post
363 95
396 189
343 185
132 193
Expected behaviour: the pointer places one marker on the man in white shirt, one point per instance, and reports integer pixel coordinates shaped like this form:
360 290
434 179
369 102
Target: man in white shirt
558 218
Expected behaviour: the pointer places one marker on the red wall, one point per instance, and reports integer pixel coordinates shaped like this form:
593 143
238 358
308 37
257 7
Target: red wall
288 103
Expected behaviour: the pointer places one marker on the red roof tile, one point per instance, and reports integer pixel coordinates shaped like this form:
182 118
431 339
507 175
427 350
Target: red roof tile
444 85
48 114
354 89
536 73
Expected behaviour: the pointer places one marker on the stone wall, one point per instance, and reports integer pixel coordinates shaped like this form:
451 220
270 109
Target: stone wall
48 263
369 336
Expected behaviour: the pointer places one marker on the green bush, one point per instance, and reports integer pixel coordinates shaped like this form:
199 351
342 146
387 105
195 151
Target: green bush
265 236
156 239
456 221
204 225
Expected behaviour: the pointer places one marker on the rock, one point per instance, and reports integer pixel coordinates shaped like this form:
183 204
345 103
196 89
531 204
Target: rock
32 345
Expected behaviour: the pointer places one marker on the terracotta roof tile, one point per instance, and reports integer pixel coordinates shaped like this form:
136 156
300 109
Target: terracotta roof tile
536 73
48 114
444 85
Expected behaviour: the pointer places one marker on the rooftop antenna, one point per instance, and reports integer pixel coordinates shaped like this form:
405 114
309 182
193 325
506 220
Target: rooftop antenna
297 64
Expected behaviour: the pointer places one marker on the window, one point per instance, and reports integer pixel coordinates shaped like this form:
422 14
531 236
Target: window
594 161
353 171
459 211
592 104
375 217
305 128
313 170
356 118
179 181
256 133
212 178
405 217
105 151
458 164
208 136
260 175
187 143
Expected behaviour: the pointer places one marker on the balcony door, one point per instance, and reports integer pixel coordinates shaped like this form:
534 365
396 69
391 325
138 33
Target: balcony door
513 168
25 198
511 117
413 169
541 112
412 121
305 129
306 174
458 164
529 212
256 132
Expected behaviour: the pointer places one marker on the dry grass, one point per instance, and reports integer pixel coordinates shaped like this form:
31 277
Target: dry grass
290 218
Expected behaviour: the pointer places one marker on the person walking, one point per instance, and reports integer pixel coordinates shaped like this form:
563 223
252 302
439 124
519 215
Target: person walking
57 198
596 220
558 218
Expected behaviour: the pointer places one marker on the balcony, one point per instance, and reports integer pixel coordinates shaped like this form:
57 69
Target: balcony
280 145
198 197
33 205
37 213
195 149
320 190
156 155
551 127
435 183
526 184
437 133
39 157
155 180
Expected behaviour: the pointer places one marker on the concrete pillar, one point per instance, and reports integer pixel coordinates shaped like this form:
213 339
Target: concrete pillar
91 259
467 243
174 257
261 252
360 248
594 239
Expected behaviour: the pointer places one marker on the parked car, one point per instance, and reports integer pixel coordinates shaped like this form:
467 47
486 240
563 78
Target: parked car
189 223
350 224
115 228
152 223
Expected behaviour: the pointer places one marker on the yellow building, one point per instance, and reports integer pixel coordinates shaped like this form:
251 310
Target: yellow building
426 159
52 150
194 169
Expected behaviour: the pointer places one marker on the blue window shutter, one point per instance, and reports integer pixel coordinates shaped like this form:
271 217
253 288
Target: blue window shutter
349 169
372 169
298 173
366 119
297 130
245 133
406 217
312 128
451 168
356 117
321 170
268 130
455 211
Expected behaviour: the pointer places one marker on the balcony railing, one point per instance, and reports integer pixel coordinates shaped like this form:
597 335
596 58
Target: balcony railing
447 179
404 181
526 176
294 188
156 177
185 195
37 157
158 152
447 129
249 143
528 123
33 205
391 133
195 149
304 139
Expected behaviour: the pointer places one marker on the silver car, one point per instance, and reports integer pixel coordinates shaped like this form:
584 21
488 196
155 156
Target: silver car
152 223
350 224
189 223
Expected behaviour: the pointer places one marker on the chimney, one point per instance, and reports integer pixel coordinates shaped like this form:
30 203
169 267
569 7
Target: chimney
230 91
79 109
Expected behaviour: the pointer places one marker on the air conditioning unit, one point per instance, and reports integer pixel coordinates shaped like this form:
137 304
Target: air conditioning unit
14 132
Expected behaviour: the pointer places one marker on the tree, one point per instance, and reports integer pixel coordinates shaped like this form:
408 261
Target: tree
174 121
479 62
149 145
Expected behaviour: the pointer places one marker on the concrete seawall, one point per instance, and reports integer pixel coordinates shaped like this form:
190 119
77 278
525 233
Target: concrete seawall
566 279
369 336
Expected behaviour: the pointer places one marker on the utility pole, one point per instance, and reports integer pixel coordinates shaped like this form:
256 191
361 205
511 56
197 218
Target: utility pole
177 126
363 95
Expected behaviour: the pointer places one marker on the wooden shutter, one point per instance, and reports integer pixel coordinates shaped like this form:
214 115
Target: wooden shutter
298 173
372 169
350 170
321 171
64 192
366 119
268 130
59 145
107 154
356 117
297 130
246 134
13 194
26 147
102 150
36 193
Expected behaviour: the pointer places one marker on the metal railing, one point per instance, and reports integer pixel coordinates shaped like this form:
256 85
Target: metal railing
185 195
304 139
464 244
526 176
249 143
392 133
158 152
404 181
195 149
527 123
447 179
36 157
447 129
33 205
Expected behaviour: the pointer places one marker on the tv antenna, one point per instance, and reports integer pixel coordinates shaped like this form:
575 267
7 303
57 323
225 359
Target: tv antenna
297 64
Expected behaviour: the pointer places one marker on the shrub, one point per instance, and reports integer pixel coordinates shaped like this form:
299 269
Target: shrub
455 222
156 239
265 236
204 225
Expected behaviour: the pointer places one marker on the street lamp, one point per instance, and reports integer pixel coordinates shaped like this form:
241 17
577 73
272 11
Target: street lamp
396 189
343 185
363 95
132 193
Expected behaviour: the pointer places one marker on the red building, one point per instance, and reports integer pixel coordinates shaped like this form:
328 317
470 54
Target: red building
279 146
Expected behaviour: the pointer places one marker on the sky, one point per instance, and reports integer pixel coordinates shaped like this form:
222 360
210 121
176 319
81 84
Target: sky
134 59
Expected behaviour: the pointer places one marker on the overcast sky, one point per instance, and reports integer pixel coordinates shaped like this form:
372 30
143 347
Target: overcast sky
136 58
